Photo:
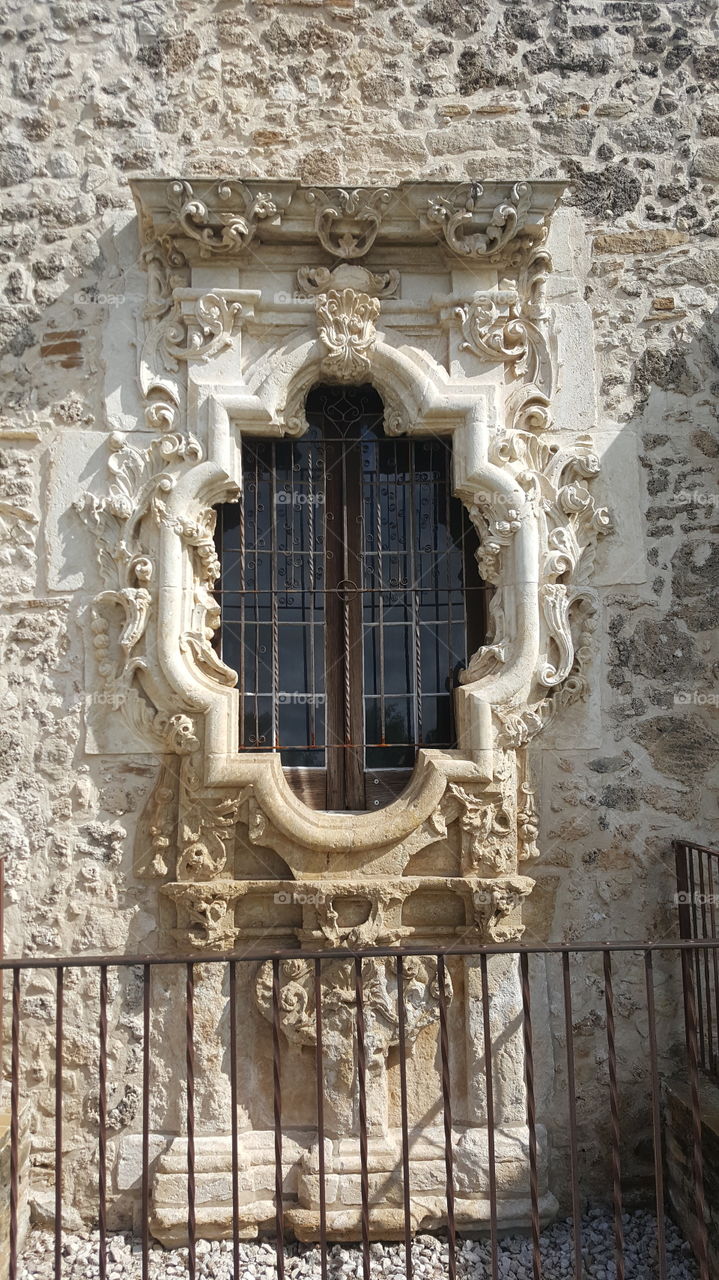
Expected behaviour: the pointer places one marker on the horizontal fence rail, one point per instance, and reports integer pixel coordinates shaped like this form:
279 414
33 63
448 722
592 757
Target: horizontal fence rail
170 995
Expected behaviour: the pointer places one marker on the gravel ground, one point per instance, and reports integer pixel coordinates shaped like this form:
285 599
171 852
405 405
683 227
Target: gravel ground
429 1254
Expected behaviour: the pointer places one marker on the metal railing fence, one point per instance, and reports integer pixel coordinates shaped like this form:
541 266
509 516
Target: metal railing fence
677 956
697 897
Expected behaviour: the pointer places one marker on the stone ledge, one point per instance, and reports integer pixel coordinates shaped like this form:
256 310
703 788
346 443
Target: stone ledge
256 1180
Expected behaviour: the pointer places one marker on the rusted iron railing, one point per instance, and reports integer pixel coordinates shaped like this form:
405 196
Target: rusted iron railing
697 899
613 958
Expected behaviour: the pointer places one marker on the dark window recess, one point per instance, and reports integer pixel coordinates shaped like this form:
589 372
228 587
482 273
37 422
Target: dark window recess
350 599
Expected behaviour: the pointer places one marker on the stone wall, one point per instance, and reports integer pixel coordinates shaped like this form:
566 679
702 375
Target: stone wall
620 98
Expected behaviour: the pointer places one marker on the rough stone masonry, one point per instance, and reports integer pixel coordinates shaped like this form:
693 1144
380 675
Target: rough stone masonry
620 98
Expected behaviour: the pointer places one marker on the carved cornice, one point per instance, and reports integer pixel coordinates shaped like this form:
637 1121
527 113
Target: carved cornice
208 217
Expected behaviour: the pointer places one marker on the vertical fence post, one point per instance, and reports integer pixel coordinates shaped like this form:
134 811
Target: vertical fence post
277 1116
614 1127
2 971
102 1122
190 1076
702 1243
401 1028
447 1115
59 1011
362 1115
14 1123
531 1112
656 1113
146 983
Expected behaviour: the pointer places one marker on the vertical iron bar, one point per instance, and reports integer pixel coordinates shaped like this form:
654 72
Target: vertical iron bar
102 1119
145 1212
692 855
447 486
656 1114
531 1113
309 560
256 600
275 606
489 1089
277 1104
447 1114
404 1119
380 597
614 1118
707 984
14 1121
233 1103
190 1068
414 552
715 956
243 591
362 1088
572 1102
2 971
59 1010
681 854
701 1243
320 1117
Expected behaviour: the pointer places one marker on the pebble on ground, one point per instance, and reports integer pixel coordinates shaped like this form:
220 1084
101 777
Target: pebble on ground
429 1256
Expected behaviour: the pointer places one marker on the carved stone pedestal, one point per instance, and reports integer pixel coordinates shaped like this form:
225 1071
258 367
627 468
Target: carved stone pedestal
428 1207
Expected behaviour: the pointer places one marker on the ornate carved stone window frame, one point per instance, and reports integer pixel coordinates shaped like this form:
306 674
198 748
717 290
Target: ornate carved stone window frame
436 294
525 490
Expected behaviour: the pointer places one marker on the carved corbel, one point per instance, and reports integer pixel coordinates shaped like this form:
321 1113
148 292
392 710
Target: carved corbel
224 219
347 220
209 909
494 907
462 216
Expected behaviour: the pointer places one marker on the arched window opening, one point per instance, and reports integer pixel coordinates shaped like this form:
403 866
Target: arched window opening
350 600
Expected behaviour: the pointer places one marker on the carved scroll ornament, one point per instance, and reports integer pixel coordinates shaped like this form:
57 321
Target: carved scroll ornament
463 214
347 220
200 214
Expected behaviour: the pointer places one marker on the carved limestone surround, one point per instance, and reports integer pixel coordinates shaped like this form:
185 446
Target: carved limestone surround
257 291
